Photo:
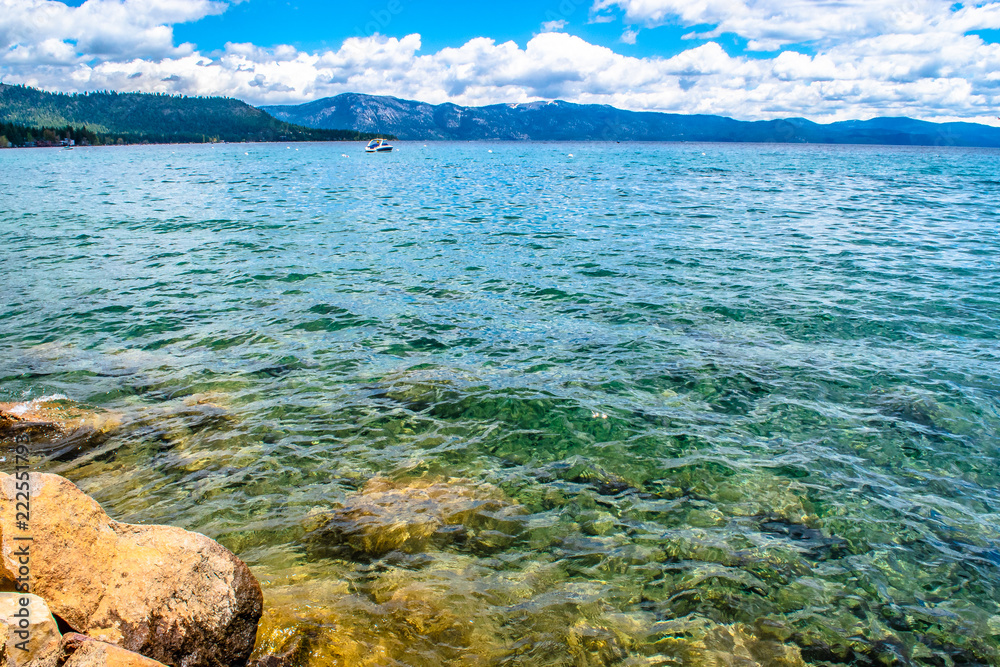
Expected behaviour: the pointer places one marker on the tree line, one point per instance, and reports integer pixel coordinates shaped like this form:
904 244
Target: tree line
13 135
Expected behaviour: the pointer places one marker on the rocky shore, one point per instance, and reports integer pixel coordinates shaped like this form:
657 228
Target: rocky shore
80 589
104 592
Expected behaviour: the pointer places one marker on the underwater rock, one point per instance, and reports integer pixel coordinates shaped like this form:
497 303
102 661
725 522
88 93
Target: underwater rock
56 426
580 470
920 408
422 386
809 541
597 523
452 610
290 653
83 651
31 625
698 642
748 493
400 618
178 422
410 515
593 645
167 593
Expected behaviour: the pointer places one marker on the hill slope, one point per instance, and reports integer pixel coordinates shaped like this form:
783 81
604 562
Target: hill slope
583 122
153 117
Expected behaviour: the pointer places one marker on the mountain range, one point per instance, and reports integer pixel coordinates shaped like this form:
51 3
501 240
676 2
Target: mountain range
137 117
565 121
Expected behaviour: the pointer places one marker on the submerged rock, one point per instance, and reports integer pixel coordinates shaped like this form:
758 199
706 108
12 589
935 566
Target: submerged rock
919 408
593 645
698 642
55 425
29 632
177 424
398 619
756 492
580 470
410 515
452 610
421 387
167 593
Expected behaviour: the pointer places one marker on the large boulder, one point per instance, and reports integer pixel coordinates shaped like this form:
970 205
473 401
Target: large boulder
56 426
166 593
82 651
28 631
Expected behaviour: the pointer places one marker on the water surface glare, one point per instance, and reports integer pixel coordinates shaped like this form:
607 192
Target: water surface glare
641 405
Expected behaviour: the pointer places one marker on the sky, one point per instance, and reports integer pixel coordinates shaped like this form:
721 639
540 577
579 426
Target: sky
825 60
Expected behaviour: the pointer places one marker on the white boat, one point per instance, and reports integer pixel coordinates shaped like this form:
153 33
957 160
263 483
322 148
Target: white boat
378 146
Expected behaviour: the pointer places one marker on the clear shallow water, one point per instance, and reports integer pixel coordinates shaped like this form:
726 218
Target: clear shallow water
743 387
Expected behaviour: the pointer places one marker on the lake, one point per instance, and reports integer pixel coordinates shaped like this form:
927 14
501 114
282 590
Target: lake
538 404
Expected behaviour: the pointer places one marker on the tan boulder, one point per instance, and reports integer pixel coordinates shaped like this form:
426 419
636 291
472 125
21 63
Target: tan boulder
56 426
83 651
167 593
410 515
28 630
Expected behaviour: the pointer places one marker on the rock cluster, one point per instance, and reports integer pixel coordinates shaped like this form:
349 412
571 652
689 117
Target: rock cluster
137 594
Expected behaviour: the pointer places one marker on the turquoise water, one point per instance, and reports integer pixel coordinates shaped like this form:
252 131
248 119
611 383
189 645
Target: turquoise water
707 387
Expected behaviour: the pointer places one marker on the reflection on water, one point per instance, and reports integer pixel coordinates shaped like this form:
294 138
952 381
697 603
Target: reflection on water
644 407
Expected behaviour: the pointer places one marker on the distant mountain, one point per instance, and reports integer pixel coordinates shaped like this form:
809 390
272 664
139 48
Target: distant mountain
553 121
136 117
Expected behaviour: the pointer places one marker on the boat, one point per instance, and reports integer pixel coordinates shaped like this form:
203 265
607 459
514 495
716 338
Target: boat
379 145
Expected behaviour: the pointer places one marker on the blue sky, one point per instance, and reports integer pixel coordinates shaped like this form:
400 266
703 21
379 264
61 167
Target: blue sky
312 25
751 59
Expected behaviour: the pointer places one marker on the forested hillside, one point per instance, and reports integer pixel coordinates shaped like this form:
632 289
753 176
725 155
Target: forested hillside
148 117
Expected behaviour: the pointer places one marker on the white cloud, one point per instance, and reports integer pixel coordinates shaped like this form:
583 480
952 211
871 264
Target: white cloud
628 37
916 60
101 29
553 26
770 24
